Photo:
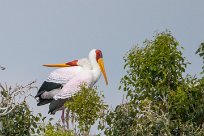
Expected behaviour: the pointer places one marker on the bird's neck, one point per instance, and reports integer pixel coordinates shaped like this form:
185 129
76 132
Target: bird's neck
95 68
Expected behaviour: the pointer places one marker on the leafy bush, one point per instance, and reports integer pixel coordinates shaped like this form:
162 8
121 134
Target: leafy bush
57 130
21 121
87 107
200 51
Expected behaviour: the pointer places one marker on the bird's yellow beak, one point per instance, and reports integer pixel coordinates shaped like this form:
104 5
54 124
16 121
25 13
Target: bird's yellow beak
101 65
57 65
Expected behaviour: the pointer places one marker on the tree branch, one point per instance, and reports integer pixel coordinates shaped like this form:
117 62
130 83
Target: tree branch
10 98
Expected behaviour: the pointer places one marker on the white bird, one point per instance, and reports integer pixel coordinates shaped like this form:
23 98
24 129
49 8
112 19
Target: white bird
63 83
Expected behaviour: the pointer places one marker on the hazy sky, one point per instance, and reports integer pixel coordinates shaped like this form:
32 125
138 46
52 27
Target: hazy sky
36 32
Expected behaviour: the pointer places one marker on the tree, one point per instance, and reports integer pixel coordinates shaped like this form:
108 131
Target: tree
15 116
21 121
161 101
86 107
200 51
57 130
10 97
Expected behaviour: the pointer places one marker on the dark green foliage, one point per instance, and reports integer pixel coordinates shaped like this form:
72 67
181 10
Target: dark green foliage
160 100
120 121
20 122
16 118
87 107
57 130
158 64
200 51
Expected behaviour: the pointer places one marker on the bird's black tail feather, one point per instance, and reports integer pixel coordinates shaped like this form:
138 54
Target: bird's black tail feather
56 105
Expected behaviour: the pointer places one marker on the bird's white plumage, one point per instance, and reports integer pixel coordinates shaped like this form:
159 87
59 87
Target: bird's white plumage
87 76
49 95
63 75
73 86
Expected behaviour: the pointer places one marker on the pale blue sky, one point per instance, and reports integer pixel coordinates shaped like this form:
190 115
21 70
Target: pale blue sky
50 31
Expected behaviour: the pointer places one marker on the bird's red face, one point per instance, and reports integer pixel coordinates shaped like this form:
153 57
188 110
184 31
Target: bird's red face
99 59
98 55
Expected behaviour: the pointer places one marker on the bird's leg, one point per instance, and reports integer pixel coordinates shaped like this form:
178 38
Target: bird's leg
73 120
67 119
62 117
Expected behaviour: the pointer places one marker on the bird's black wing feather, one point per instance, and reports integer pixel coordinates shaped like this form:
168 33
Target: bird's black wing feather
48 86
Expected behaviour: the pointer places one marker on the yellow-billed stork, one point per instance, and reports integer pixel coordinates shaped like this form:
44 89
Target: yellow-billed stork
63 83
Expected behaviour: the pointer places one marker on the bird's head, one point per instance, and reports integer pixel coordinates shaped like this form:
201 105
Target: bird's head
97 55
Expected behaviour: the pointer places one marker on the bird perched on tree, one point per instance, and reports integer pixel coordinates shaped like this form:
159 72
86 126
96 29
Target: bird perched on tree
63 83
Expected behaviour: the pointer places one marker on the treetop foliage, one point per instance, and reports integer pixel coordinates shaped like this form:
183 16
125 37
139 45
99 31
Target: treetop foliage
87 107
200 51
158 63
161 100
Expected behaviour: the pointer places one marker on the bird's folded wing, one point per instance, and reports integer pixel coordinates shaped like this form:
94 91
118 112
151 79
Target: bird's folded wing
63 75
74 86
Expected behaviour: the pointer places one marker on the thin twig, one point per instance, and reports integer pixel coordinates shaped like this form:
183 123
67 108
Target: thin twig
8 97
